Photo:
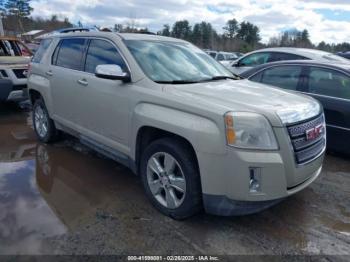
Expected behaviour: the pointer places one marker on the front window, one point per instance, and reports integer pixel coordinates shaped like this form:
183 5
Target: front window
101 52
255 59
175 62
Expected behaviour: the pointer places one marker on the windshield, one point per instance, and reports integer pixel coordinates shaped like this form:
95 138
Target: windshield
175 62
12 48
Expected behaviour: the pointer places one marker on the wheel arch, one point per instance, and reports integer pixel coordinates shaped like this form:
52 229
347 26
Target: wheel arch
148 134
34 95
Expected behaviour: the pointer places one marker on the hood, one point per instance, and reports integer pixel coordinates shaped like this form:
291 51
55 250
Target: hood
279 106
14 60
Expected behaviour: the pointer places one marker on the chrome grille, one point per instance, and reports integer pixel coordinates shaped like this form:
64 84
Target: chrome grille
307 149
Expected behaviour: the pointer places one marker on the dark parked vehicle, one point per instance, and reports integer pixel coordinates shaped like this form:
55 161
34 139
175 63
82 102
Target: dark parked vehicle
344 54
328 83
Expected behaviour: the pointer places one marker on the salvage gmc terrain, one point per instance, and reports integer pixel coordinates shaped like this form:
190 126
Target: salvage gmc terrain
197 135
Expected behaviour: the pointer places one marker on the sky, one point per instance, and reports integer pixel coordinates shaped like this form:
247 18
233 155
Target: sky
326 20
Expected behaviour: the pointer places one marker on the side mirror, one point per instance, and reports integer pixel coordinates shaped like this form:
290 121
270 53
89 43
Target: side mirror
113 72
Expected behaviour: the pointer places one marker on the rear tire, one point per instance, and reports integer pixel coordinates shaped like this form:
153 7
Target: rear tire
43 125
170 178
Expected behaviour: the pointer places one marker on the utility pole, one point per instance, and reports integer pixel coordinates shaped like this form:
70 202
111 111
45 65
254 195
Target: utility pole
2 33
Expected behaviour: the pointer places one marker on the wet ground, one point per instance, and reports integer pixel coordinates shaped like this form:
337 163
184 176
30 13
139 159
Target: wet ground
65 199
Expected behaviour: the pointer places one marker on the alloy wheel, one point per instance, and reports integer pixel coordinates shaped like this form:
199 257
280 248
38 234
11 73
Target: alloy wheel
166 180
41 121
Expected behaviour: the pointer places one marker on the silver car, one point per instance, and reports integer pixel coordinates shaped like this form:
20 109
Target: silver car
269 55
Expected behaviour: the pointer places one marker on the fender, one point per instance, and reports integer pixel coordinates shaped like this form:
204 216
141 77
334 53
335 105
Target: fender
201 132
42 85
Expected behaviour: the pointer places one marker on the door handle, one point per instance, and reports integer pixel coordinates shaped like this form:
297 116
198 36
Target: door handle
83 82
49 73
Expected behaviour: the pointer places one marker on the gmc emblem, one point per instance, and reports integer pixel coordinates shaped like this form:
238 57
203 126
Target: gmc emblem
314 133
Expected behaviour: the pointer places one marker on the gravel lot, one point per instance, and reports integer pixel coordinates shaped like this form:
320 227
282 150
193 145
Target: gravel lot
65 199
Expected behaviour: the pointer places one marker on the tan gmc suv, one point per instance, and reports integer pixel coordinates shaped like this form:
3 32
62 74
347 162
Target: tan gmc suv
196 135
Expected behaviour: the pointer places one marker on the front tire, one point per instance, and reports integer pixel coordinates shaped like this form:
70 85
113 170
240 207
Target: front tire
171 178
43 125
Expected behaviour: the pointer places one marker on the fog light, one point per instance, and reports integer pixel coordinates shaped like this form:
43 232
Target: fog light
255 180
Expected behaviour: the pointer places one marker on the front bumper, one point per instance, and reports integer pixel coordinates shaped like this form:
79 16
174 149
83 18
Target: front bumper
11 92
18 95
226 178
223 206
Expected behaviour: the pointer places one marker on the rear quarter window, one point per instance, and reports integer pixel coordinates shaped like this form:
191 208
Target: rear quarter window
277 56
39 54
324 81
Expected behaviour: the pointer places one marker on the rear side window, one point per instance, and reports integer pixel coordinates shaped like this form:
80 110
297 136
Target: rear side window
285 56
286 77
102 52
44 45
70 53
329 82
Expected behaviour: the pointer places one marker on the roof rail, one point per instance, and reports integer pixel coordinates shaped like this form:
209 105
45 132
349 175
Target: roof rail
77 29
146 33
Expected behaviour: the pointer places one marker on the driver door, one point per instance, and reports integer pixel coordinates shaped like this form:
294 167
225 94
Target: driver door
104 103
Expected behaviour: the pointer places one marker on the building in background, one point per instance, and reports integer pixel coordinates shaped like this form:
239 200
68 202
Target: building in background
31 35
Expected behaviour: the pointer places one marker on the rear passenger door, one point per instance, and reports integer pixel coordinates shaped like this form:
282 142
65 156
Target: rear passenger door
104 103
64 74
332 89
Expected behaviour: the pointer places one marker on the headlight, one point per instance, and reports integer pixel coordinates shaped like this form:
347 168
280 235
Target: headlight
250 131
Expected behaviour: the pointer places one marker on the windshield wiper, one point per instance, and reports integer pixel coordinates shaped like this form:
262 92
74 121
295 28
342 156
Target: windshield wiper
177 82
235 77
214 78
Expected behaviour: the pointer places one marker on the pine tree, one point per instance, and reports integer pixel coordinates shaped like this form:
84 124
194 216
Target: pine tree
166 30
231 28
2 7
182 29
20 9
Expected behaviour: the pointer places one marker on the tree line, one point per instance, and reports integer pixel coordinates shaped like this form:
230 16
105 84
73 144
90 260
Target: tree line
16 18
236 36
295 38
